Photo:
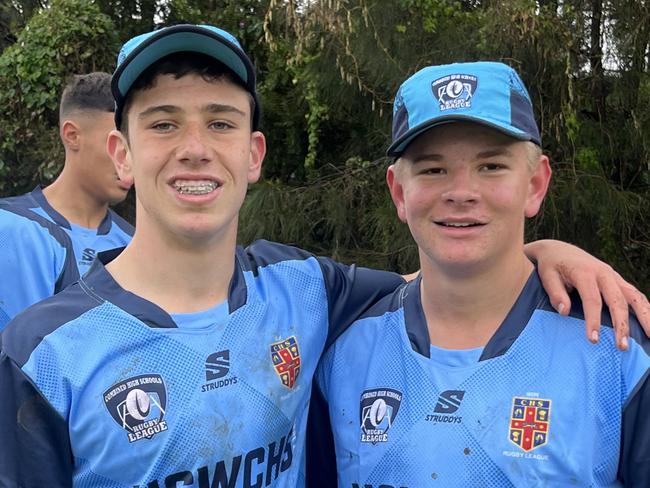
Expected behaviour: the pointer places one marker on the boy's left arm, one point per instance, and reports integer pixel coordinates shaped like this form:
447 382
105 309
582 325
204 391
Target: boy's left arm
562 267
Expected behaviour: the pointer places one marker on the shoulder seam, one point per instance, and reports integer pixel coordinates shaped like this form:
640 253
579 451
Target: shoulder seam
89 291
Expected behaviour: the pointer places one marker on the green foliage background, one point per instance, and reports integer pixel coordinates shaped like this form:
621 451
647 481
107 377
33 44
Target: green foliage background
327 73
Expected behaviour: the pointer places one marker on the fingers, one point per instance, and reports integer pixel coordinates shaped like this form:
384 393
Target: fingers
592 303
608 288
639 303
556 289
612 292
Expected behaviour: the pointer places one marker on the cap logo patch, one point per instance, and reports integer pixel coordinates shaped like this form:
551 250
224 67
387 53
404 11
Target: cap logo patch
454 91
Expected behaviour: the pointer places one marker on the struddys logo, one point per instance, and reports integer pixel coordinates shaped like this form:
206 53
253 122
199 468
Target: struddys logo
138 405
454 91
378 410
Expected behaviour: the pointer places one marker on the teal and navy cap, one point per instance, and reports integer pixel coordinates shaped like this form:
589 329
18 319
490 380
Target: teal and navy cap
144 50
487 93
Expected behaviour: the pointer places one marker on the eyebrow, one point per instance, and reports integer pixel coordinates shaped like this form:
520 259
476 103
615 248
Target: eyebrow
213 108
497 151
488 153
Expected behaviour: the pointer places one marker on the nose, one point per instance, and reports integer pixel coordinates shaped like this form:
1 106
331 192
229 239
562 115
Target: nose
193 148
462 188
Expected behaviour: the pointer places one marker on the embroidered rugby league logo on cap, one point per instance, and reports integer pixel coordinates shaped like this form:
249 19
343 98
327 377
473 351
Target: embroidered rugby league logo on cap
377 410
138 405
483 92
455 91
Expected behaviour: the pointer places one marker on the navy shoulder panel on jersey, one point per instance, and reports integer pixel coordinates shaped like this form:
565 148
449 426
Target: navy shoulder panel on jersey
40 453
39 198
26 213
26 331
26 200
112 218
70 273
262 253
126 227
351 290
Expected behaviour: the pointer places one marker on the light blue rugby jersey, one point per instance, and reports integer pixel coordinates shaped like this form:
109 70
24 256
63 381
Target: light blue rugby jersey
36 260
538 406
108 392
112 233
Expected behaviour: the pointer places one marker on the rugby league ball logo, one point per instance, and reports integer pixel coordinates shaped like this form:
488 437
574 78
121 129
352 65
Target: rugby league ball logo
378 410
138 405
454 92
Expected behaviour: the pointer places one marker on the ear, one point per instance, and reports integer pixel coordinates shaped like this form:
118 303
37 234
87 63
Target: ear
258 151
71 135
119 151
538 186
396 191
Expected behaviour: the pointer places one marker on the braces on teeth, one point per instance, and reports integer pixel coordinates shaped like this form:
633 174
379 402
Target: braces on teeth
196 189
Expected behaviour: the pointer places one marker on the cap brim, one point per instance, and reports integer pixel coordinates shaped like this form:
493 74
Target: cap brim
398 146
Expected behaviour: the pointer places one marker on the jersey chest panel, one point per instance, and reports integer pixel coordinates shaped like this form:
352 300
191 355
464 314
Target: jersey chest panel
546 413
224 406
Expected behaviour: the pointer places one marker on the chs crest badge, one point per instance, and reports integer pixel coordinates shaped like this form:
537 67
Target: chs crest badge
454 91
529 422
138 405
378 410
286 360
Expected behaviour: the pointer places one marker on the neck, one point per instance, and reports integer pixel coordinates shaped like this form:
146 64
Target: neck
179 277
70 199
463 310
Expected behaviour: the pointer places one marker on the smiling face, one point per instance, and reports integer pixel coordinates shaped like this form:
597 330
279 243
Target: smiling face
464 190
191 155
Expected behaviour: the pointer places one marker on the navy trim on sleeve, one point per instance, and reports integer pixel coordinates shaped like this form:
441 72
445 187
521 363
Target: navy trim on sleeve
36 448
634 464
319 446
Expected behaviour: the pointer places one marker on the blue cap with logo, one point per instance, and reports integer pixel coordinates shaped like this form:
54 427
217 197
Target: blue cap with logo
142 51
488 93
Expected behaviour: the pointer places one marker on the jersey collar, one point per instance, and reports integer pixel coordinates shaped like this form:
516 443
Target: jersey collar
531 298
38 196
98 281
